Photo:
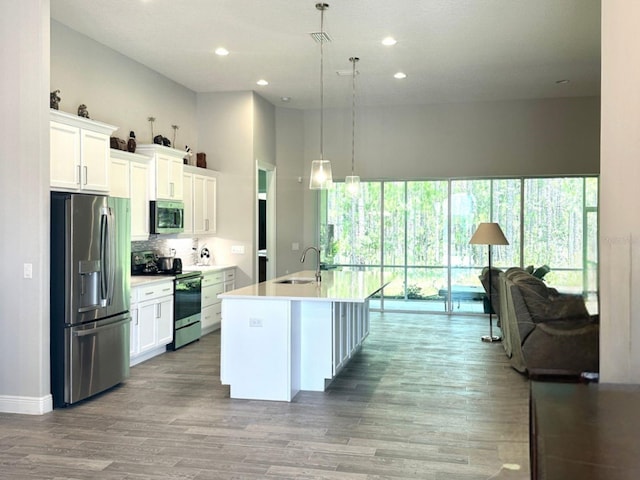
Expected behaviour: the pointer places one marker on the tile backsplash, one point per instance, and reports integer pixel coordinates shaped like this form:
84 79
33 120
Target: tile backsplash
186 248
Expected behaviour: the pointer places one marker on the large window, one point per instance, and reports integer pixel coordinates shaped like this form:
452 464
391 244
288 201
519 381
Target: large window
419 231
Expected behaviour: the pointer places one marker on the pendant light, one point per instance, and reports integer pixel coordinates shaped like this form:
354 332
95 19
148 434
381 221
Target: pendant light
352 181
321 169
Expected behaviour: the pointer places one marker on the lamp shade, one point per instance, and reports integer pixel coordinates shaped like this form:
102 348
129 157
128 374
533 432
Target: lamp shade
488 234
353 185
321 177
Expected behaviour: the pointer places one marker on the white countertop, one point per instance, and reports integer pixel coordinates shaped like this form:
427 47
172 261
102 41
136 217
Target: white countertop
336 286
206 268
137 280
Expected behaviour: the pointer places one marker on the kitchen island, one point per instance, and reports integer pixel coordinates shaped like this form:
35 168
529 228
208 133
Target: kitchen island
292 333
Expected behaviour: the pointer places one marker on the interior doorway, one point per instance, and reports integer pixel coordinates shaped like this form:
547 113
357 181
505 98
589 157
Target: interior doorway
265 221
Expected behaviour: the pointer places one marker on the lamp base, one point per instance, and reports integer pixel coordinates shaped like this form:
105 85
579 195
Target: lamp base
491 338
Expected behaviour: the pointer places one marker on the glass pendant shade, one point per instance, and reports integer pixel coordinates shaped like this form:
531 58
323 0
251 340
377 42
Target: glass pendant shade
321 177
353 185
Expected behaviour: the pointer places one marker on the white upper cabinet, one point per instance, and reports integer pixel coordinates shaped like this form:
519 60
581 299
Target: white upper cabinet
80 159
202 195
120 174
204 199
167 171
140 172
187 198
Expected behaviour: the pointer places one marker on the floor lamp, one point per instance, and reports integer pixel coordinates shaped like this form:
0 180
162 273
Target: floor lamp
489 234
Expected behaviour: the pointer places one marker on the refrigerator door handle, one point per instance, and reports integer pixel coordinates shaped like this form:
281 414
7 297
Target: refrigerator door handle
93 331
108 237
112 238
104 259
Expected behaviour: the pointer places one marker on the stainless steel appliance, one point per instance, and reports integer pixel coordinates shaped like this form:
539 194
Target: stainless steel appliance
89 295
167 216
186 304
187 294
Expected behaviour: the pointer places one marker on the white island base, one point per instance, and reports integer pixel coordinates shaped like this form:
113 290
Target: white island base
285 338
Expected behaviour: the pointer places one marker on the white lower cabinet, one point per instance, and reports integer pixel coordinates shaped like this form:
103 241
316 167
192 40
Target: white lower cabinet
213 284
350 328
151 320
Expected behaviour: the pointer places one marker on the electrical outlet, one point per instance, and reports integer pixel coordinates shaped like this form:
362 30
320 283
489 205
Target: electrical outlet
255 322
28 270
295 246
237 249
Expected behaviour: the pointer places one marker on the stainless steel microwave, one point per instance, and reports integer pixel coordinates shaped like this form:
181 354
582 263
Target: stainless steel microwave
167 216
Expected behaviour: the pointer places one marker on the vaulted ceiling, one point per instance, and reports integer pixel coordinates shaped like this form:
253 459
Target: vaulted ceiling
450 50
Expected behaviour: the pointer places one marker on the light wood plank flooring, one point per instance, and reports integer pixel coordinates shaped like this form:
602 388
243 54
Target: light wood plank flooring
424 399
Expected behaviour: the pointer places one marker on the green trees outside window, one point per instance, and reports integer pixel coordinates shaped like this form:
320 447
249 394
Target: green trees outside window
419 232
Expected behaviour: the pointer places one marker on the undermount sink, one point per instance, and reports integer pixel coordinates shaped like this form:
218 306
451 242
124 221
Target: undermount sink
296 281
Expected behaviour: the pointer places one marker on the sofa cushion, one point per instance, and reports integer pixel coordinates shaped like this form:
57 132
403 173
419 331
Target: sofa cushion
545 304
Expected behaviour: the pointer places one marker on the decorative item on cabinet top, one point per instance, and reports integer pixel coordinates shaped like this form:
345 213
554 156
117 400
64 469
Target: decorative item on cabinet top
54 99
131 144
82 111
160 140
201 160
188 155
118 143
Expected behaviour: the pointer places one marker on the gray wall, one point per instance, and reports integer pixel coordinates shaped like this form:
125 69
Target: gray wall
528 137
290 152
24 210
619 221
225 130
119 91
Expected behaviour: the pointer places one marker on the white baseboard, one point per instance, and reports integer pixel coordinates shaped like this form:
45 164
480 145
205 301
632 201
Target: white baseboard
26 405
147 355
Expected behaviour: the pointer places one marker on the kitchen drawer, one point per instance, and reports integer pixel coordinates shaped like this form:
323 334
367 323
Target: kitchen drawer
211 278
230 275
152 291
211 317
210 294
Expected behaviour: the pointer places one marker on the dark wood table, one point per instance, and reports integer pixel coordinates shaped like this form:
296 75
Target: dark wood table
585 431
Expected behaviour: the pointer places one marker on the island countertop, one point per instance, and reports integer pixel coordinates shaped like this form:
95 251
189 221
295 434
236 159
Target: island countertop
336 286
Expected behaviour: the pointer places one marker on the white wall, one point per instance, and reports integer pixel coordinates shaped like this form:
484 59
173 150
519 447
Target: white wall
264 130
119 91
24 211
620 177
291 221
225 130
528 137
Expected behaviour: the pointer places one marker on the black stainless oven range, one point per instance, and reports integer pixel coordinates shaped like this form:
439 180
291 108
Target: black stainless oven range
186 309
186 296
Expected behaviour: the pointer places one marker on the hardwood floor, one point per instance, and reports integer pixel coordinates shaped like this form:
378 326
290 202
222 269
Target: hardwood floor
424 399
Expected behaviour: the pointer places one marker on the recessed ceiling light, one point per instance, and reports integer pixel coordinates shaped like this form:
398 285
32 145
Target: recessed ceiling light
285 99
262 82
562 82
222 51
400 75
389 41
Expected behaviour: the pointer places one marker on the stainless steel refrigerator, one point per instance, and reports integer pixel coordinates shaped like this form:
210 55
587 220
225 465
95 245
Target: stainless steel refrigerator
90 268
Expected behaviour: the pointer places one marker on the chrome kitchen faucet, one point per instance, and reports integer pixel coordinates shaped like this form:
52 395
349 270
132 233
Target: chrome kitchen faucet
318 276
